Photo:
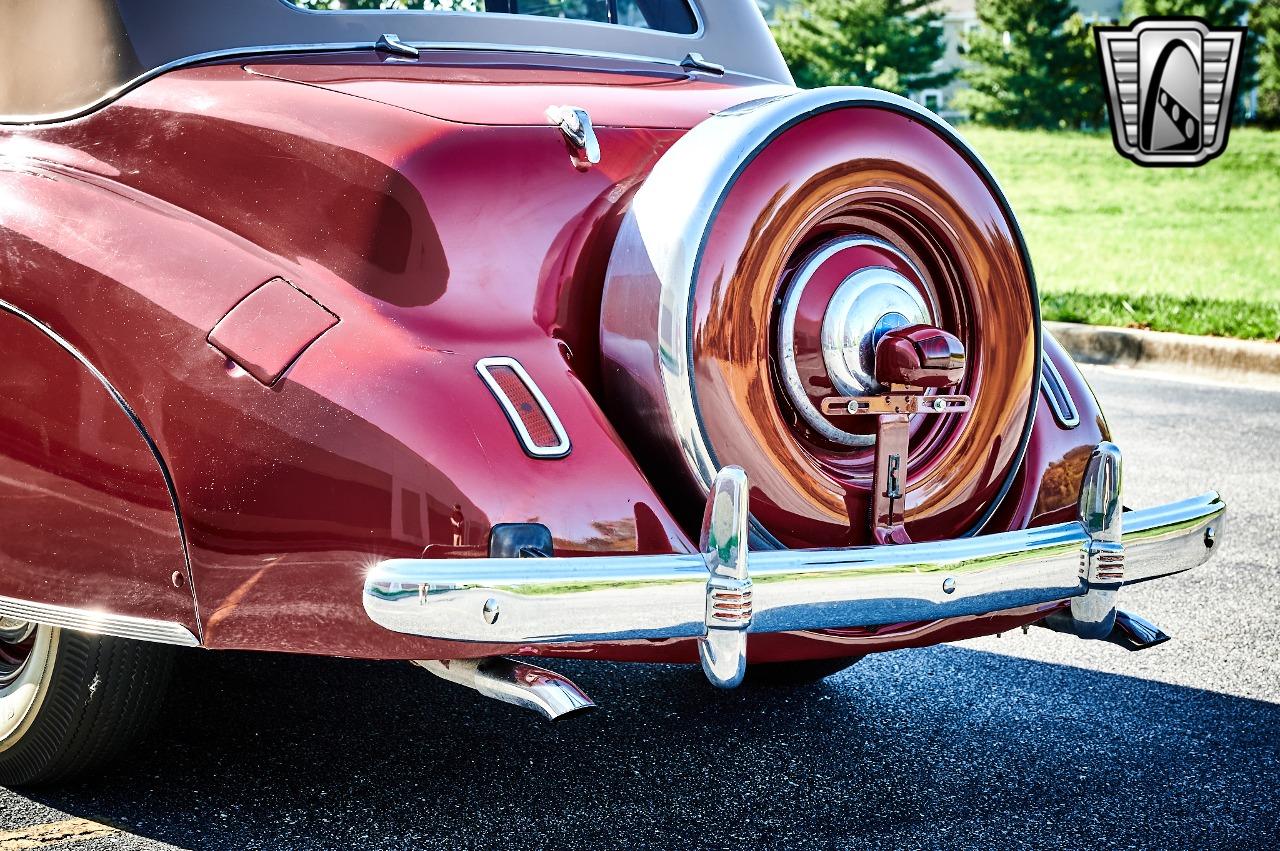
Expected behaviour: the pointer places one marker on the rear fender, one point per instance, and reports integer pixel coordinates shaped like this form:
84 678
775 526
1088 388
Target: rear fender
88 514
378 439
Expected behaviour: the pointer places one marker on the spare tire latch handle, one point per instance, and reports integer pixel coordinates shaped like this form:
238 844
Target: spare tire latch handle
910 362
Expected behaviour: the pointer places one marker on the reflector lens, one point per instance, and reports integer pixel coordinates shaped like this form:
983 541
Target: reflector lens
532 417
541 433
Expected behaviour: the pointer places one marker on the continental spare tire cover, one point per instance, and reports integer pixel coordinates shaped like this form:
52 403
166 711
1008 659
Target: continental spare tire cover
753 273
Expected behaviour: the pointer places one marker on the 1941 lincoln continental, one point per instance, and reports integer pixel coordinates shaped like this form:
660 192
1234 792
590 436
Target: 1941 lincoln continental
541 330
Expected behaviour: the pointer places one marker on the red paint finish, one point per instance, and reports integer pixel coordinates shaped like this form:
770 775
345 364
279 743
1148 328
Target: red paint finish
132 232
77 483
920 356
380 440
270 329
1048 485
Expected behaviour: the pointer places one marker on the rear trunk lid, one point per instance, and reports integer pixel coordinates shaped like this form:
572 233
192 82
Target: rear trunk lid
490 88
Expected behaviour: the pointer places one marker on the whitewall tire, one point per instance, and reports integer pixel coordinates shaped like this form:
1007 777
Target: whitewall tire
71 701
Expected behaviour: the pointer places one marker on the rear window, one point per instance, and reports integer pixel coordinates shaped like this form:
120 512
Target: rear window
673 16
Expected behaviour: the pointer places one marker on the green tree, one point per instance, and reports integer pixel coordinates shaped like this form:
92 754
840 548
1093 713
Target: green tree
1031 64
1264 22
888 44
1218 13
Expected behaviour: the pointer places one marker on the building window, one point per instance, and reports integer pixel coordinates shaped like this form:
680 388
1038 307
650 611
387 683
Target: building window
931 99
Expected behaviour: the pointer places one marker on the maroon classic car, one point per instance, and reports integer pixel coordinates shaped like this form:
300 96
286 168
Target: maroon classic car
544 329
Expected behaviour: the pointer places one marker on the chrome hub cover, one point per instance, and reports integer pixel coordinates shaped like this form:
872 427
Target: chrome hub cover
15 648
868 303
15 631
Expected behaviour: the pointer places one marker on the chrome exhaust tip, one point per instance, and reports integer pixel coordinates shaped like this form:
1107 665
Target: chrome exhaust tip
519 683
1130 631
1133 632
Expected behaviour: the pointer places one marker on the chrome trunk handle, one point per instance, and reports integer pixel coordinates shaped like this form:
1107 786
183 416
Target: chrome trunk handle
575 124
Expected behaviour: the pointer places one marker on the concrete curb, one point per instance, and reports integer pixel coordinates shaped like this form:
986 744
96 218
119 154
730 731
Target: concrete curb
1252 362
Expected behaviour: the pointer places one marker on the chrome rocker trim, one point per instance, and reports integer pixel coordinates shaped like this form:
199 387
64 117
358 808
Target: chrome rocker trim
100 623
725 593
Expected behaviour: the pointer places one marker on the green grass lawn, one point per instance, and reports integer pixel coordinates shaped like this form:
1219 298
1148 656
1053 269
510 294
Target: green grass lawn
1195 250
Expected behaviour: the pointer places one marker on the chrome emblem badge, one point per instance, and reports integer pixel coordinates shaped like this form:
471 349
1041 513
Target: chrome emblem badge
1171 85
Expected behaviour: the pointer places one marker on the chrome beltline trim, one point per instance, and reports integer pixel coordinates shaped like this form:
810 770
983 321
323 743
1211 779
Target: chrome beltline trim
618 598
673 210
332 47
101 623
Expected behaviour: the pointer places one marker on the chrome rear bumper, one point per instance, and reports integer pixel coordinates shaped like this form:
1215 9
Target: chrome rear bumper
726 592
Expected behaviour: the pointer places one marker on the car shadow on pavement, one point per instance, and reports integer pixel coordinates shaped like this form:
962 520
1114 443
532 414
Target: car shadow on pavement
941 747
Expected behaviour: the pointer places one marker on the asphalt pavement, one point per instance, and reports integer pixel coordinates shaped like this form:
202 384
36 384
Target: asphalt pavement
1037 740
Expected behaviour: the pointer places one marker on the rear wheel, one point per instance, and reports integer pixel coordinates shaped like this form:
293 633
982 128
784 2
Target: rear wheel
70 701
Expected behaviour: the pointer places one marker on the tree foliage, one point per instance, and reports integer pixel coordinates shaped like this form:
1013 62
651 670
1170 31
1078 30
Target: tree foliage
1032 65
888 44
1217 12
1264 22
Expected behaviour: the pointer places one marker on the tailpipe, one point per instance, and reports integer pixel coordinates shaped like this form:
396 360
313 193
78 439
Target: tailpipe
1136 633
1130 631
519 683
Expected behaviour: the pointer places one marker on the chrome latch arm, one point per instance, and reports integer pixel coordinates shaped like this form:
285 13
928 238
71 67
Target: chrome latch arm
697 62
391 43
909 361
579 135
896 401
723 646
893 411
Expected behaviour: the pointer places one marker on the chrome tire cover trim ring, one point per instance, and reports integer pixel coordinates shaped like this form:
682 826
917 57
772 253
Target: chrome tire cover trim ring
671 216
858 292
